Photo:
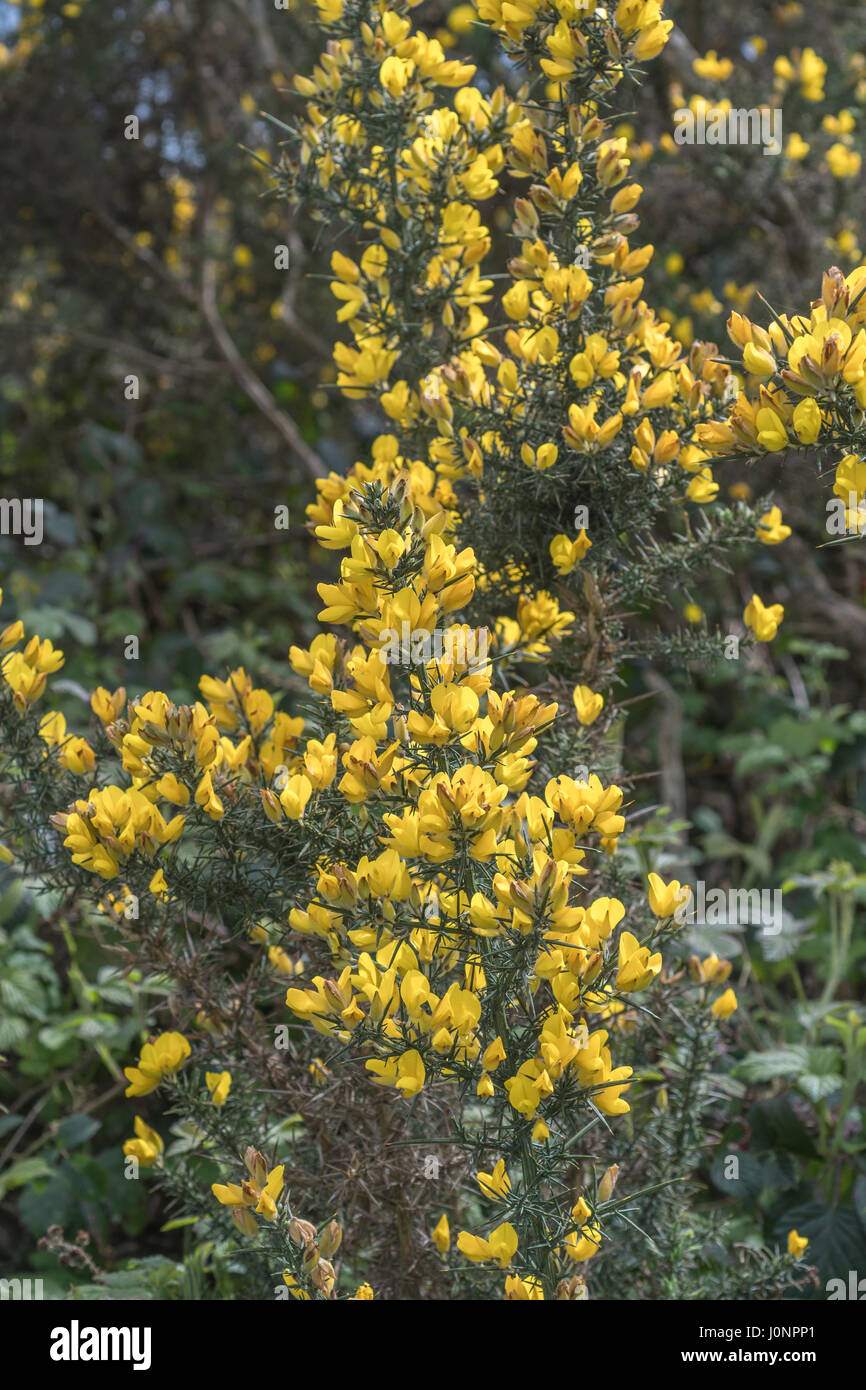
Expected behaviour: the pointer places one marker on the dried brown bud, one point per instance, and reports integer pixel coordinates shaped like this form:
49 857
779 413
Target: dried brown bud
331 1237
302 1232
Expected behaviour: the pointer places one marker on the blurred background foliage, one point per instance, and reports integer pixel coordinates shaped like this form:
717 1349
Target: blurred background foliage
167 258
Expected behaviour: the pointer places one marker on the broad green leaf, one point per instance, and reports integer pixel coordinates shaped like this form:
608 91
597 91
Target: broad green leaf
25 1171
75 1130
766 1066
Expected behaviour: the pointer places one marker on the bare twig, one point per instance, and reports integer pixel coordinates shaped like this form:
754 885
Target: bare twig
250 384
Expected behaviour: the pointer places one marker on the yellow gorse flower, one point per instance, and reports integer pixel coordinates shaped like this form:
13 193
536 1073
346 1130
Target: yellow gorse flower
763 620
497 1184
638 966
796 1244
147 1145
219 1085
257 1193
500 1245
725 1005
159 1059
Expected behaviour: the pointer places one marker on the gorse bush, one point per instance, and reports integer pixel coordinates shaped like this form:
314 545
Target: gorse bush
431 1028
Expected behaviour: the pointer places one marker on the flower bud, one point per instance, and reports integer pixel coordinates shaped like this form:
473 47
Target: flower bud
323 1277
608 1183
572 1290
257 1165
245 1221
301 1232
329 1242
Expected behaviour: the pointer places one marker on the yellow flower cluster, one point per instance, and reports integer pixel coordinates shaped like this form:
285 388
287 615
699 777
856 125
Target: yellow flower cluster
103 831
799 371
805 386
443 861
26 671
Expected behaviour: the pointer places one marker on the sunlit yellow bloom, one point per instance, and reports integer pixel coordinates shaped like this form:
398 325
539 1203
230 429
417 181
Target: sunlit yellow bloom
160 1058
796 1244
496 1184
725 1004
441 1236
500 1245
146 1147
770 529
763 621
666 898
637 965
588 704
219 1085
